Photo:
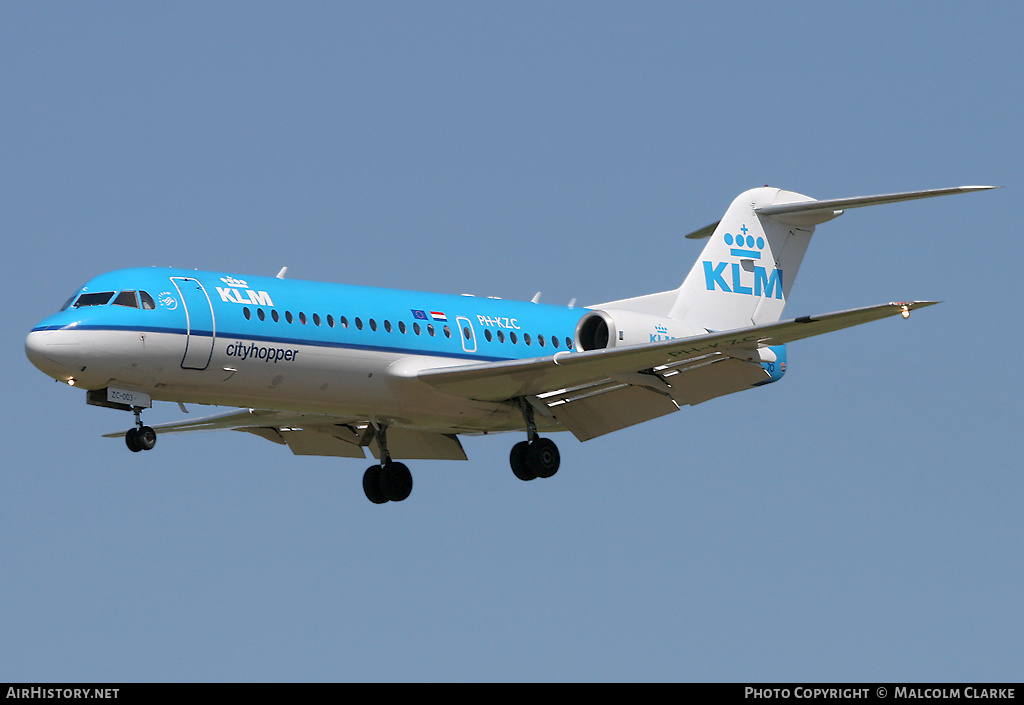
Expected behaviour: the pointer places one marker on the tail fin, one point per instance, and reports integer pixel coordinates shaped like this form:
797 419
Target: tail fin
744 275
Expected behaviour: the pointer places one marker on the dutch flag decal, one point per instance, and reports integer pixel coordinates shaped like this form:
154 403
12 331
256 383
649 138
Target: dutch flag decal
438 316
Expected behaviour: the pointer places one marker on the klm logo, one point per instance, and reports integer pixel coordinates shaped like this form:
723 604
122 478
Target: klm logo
234 296
740 280
661 333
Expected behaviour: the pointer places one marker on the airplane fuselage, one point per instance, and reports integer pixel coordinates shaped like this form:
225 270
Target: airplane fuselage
263 342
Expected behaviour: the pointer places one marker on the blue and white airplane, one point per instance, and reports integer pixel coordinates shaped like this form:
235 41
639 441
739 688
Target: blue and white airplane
329 369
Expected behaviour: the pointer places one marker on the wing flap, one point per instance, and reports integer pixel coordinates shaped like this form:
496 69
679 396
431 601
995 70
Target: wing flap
410 444
588 415
320 442
716 377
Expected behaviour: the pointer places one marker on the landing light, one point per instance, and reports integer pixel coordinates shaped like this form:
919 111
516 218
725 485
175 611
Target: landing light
906 312
71 381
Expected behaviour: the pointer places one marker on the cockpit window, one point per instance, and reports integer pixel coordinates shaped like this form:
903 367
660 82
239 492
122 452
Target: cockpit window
147 300
127 298
98 299
67 304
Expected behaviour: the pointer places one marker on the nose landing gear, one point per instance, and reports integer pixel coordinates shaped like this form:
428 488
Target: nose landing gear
140 437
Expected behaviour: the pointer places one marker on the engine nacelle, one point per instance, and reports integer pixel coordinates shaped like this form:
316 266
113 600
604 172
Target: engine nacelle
610 328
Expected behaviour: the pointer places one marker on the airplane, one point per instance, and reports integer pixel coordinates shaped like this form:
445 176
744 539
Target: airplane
334 370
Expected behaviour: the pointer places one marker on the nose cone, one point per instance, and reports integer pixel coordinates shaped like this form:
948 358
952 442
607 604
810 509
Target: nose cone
55 352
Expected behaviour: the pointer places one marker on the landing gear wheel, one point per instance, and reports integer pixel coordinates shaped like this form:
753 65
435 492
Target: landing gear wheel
371 485
395 481
145 437
517 459
131 439
542 457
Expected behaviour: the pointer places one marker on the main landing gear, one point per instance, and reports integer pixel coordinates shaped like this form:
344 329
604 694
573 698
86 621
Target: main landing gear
536 456
389 481
140 437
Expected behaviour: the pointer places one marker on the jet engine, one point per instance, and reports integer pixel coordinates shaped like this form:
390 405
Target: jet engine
610 328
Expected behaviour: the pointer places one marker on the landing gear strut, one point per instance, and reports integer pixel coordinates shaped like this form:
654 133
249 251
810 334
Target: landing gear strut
140 437
389 481
535 457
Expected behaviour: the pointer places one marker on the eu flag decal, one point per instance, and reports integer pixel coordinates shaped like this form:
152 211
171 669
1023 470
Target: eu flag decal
419 315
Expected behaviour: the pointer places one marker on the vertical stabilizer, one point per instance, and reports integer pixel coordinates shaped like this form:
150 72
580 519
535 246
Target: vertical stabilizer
744 275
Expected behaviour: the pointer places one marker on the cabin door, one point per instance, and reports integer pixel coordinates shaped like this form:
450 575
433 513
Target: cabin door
200 331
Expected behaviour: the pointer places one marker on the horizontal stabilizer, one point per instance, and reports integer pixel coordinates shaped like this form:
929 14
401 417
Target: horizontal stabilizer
706 231
814 212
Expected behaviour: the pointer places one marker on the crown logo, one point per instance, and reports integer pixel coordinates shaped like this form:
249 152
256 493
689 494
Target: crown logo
231 281
742 241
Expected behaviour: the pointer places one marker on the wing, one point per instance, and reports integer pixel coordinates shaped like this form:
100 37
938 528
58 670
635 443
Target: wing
320 434
599 391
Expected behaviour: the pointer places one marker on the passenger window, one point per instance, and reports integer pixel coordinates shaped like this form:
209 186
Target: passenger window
126 298
526 338
416 328
512 337
447 332
401 326
275 315
387 325
554 341
247 313
568 343
288 316
359 323
430 329
344 322
97 299
259 312
373 324
540 340
487 334
501 336
330 320
316 319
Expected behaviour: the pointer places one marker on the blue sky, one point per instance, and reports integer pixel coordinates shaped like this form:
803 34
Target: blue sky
858 521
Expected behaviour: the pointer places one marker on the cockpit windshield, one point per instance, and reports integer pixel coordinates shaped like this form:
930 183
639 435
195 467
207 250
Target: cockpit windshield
127 298
97 299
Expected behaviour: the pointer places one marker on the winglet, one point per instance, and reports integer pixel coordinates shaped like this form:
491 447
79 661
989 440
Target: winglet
284 270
